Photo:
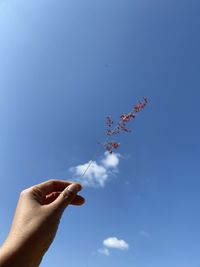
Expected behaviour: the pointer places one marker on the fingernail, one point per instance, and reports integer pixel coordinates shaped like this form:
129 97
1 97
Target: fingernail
74 187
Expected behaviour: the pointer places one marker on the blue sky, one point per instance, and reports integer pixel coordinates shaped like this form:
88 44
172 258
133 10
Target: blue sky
64 66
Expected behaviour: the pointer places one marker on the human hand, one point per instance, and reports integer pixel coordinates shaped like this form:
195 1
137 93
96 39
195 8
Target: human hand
36 221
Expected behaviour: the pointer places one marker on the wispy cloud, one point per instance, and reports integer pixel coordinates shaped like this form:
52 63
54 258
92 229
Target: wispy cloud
113 243
99 172
145 234
104 251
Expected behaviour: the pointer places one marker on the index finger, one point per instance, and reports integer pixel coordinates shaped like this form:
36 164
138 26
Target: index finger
54 185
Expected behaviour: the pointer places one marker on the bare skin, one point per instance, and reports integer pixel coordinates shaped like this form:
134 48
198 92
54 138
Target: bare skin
36 221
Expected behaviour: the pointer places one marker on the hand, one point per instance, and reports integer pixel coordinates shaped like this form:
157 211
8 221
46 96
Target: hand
36 220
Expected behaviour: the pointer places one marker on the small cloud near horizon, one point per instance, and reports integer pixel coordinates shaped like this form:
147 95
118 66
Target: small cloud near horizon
113 243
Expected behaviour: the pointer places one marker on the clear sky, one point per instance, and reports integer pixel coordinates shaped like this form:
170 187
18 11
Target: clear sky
64 66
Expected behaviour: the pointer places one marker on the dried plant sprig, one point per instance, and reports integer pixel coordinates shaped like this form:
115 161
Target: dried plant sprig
120 127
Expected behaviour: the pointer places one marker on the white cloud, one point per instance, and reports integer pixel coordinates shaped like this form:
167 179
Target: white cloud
104 251
110 160
145 234
98 173
114 242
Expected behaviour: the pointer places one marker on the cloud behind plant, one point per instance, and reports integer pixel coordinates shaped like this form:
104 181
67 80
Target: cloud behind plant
99 172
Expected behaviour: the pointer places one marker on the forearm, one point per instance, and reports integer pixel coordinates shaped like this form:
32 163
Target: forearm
14 256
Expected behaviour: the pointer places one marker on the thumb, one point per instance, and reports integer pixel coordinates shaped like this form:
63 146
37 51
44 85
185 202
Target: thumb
67 196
